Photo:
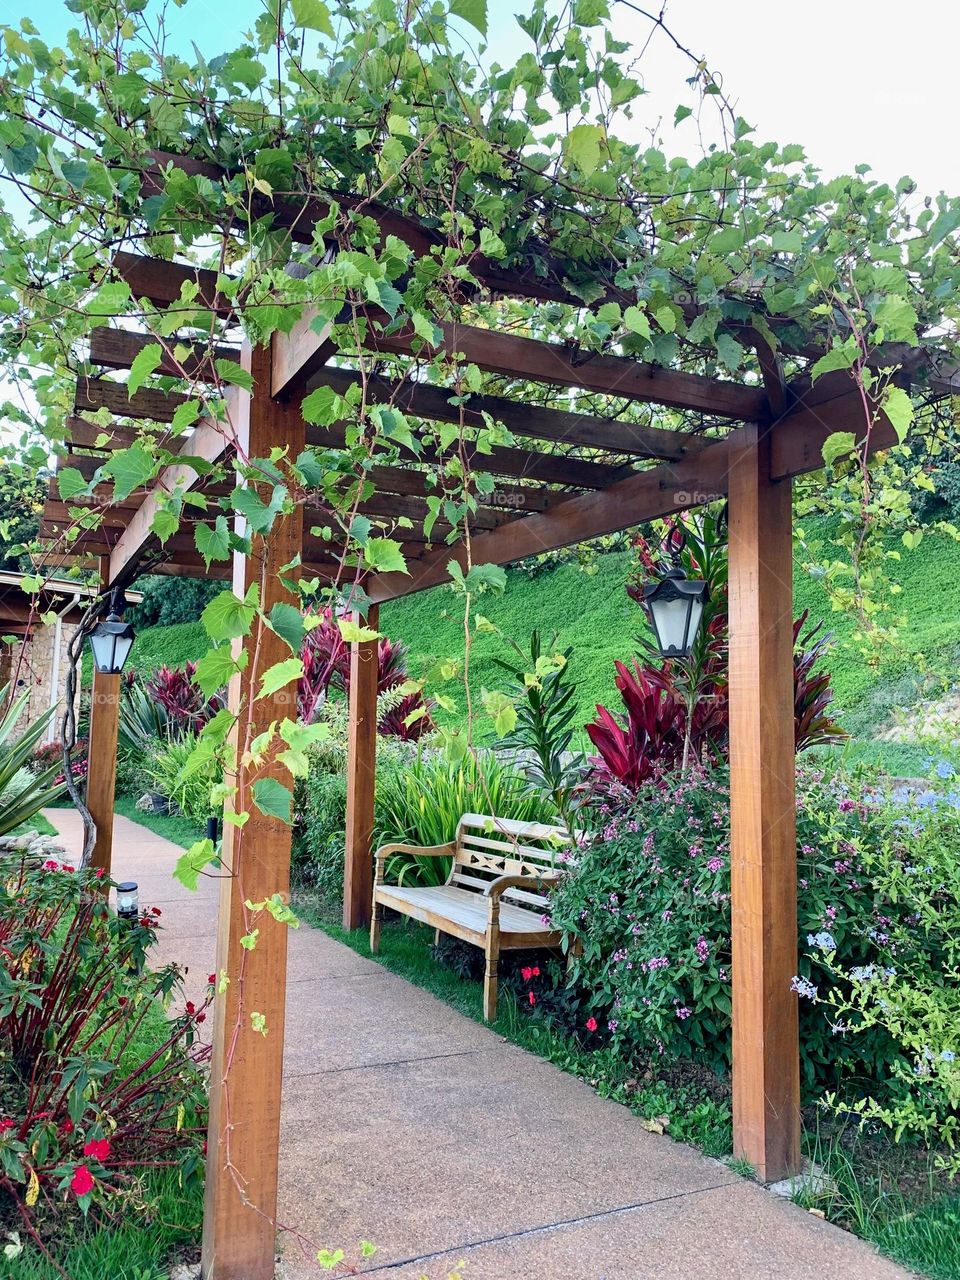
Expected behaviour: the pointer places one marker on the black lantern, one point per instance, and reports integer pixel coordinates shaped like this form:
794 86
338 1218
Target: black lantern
128 902
112 640
674 606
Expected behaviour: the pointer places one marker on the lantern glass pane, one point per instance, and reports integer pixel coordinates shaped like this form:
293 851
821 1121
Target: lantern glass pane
670 619
693 627
103 648
127 898
121 652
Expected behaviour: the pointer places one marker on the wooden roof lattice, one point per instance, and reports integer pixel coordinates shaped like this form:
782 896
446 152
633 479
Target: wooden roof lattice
569 476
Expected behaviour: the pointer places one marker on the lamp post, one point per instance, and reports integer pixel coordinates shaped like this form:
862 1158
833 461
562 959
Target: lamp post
674 604
112 639
128 904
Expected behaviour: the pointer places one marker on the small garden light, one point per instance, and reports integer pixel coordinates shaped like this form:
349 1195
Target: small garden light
674 605
112 640
128 902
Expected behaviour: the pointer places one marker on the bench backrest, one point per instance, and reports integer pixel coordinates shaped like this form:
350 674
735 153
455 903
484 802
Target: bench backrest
488 847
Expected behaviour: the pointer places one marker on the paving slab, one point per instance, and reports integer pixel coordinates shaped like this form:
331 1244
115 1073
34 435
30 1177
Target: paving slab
733 1232
429 1153
407 1124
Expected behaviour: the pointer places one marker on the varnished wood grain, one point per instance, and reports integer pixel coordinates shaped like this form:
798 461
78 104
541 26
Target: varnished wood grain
361 781
766 1074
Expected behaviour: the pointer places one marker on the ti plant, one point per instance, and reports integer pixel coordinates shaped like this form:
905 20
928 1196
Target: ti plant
543 698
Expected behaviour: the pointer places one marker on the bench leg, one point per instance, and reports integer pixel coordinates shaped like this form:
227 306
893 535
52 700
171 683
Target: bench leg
492 956
436 937
375 918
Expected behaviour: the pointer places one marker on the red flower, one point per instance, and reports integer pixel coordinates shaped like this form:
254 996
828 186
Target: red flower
535 971
82 1180
591 1024
51 864
97 1148
156 911
6 1124
67 867
211 981
99 873
201 1017
67 1126
191 1008
526 974
531 997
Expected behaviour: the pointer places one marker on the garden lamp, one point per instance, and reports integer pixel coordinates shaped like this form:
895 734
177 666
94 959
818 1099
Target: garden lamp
674 605
112 640
128 902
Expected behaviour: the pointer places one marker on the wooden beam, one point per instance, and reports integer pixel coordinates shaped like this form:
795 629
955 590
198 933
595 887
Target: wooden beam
763 863
209 441
102 741
426 401
298 355
160 282
834 403
361 770
118 348
520 357
639 496
101 393
240 1209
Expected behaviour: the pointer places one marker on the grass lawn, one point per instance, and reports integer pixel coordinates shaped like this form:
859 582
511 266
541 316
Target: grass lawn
37 823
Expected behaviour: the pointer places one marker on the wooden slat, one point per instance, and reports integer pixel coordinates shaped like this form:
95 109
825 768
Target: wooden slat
102 759
521 357
361 774
766 1072
118 348
101 393
239 1230
463 913
161 281
426 401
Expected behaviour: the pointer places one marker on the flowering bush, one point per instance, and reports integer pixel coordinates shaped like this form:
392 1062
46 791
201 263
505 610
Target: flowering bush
879 920
96 1086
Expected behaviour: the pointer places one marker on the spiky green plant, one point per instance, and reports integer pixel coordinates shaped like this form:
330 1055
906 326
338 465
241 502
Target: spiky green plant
23 793
423 805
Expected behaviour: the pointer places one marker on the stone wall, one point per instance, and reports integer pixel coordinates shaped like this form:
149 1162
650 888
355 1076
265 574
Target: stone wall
30 665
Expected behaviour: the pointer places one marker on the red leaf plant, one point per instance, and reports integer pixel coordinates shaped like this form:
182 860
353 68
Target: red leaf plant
87 1109
326 666
186 707
656 694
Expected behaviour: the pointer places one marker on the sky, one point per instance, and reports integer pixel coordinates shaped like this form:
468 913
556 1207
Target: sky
853 81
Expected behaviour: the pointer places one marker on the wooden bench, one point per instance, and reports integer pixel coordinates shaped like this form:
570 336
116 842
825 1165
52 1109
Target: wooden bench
493 897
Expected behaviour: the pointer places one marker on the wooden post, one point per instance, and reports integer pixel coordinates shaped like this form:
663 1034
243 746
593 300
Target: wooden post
102 757
361 770
239 1229
766 1070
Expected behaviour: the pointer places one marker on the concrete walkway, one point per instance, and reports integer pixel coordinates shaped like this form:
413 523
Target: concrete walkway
408 1124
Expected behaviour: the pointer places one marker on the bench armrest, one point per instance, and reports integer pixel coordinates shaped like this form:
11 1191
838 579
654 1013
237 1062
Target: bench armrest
428 851
496 888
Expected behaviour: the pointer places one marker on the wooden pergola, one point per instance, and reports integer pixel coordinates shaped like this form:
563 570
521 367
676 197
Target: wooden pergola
570 477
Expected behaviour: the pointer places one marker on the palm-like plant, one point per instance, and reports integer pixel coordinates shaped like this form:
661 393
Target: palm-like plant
544 701
23 792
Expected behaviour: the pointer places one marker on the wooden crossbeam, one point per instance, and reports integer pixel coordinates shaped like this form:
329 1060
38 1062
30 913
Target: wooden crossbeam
161 282
101 393
640 496
520 357
834 403
209 441
435 403
118 348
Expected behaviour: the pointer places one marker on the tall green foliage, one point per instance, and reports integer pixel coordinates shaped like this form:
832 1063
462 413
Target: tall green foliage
24 792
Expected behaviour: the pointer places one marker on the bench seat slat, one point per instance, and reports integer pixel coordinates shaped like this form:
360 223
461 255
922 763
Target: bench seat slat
447 904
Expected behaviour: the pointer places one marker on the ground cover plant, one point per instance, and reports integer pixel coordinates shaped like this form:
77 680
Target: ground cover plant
102 1098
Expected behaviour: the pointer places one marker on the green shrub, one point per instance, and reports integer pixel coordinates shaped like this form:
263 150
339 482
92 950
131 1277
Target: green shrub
165 771
649 902
423 803
23 790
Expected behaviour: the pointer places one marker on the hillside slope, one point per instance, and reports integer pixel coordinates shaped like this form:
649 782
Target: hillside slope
593 614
